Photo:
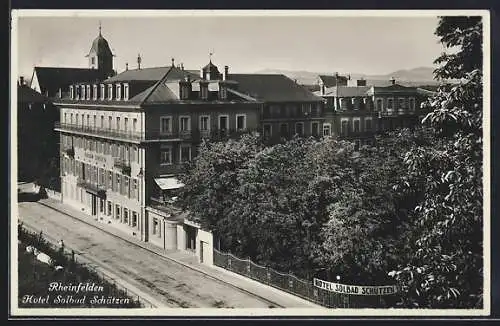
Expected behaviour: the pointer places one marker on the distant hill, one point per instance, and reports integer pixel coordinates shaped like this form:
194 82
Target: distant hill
410 77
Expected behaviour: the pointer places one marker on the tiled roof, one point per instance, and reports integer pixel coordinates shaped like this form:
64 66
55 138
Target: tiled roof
330 81
28 95
51 79
272 88
153 74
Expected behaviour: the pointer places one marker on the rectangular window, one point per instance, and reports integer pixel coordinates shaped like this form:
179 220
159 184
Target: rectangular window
155 226
401 103
223 122
110 122
380 104
241 122
118 92
125 92
204 123
95 92
166 156
71 118
101 205
110 92
88 120
343 127
356 125
204 91
102 122
118 182
65 118
368 124
126 124
390 104
110 208
95 121
184 124
315 129
165 125
102 178
327 129
103 92
299 128
125 216
117 212
134 219
117 123
412 104
110 180
185 155
127 186
267 130
284 130
134 125
134 188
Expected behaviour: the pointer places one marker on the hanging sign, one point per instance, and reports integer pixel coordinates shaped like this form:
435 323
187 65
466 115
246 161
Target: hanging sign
355 289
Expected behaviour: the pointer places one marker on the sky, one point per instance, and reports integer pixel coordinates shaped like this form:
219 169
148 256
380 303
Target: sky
355 44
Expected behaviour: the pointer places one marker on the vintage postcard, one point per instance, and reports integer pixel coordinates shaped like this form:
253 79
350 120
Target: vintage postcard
250 163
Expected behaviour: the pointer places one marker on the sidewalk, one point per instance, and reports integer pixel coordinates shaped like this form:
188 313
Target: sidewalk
188 260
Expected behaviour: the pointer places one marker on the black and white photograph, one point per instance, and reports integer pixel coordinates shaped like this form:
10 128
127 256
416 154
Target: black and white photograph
250 163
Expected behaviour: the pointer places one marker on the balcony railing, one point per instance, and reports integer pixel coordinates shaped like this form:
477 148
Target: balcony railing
93 188
122 134
123 165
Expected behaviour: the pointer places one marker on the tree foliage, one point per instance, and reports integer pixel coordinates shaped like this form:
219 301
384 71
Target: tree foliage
444 266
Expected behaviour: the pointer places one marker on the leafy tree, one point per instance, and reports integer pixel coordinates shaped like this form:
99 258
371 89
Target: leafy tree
212 181
444 266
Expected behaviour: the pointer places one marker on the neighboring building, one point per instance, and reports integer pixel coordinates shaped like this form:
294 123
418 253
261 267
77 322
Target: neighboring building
37 143
360 111
50 81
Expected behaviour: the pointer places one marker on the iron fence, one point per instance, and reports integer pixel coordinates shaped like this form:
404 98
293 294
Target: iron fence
83 271
294 285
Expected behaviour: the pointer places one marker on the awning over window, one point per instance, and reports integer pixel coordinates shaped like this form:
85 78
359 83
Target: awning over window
169 183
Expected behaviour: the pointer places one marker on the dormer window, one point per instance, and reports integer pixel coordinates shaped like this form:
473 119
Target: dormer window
72 92
118 92
223 92
103 91
125 92
95 92
204 91
110 91
82 92
87 92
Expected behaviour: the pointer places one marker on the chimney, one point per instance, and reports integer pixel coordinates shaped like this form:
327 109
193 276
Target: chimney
173 62
349 77
21 81
182 66
126 66
139 60
60 93
393 81
226 73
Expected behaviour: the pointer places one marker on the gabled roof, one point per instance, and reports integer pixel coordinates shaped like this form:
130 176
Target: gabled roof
272 88
152 74
330 81
28 95
50 79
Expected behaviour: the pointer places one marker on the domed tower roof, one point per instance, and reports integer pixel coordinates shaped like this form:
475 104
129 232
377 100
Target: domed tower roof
100 46
211 69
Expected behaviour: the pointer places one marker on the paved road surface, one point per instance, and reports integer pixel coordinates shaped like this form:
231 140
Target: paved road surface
166 281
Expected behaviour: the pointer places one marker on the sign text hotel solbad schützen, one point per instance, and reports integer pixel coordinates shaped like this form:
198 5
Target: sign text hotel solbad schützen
355 289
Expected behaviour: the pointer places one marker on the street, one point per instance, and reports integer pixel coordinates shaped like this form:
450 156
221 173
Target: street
170 283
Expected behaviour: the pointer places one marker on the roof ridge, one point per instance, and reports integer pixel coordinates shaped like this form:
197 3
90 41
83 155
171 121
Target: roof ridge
155 86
